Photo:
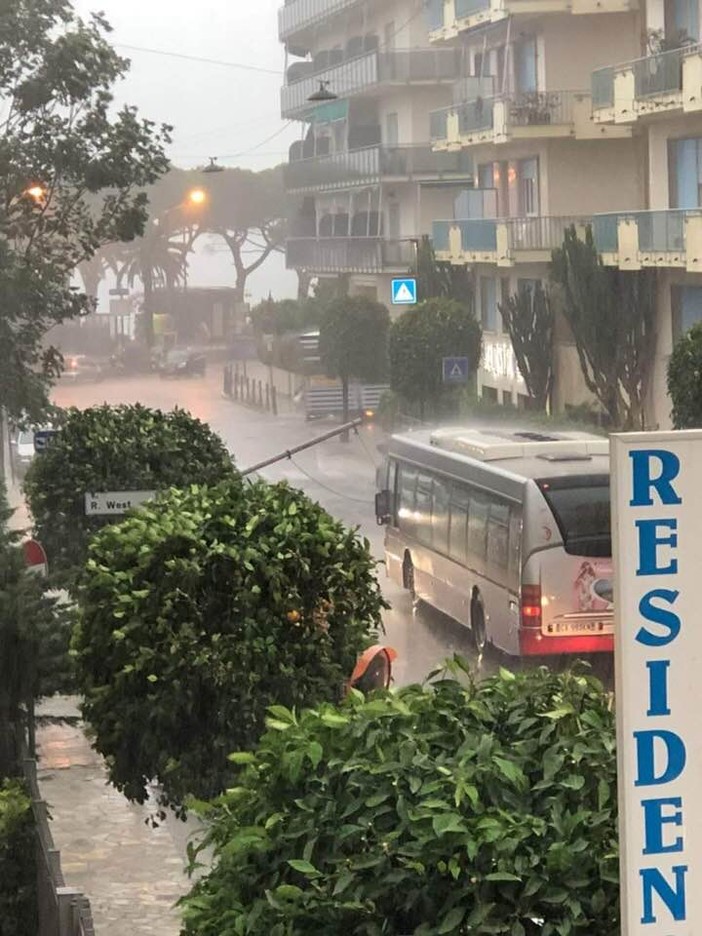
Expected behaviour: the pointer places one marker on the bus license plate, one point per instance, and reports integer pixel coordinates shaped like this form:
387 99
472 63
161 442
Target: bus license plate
566 628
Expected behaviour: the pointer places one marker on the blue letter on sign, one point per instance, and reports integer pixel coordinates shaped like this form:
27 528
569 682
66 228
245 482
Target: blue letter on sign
667 619
654 820
657 687
645 757
649 541
643 482
674 899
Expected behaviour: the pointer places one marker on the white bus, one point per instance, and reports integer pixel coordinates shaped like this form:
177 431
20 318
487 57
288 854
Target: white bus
506 532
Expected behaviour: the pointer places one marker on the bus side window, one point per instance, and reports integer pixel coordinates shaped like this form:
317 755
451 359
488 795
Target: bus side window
406 483
477 527
423 509
498 535
515 544
458 523
440 515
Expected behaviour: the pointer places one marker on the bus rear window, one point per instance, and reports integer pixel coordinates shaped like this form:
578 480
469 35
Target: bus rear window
581 509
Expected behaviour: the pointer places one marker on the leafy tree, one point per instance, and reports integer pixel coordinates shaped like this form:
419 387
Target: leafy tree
73 170
18 870
441 280
685 379
612 315
113 448
419 340
446 809
287 315
353 342
200 611
528 318
34 639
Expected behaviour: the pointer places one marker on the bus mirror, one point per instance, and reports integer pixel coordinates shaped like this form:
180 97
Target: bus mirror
382 507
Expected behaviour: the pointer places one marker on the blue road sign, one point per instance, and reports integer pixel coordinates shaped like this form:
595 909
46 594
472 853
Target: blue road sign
455 370
404 291
42 437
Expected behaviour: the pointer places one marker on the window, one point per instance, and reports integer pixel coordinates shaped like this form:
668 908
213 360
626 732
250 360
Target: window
477 527
392 129
389 36
488 303
685 175
394 220
458 523
515 544
687 308
423 509
527 285
525 70
498 536
580 506
489 394
485 176
528 174
440 515
406 498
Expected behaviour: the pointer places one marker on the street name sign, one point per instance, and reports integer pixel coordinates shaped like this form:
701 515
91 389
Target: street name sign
657 542
404 291
455 370
114 503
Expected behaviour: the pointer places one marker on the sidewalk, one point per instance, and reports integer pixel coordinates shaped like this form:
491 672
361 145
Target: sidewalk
132 873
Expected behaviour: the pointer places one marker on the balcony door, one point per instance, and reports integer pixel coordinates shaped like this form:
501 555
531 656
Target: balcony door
525 69
685 173
682 19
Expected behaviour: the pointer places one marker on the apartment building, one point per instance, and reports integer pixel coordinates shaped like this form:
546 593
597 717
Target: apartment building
363 177
542 161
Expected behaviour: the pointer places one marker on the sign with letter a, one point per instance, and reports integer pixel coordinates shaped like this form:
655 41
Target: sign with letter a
657 540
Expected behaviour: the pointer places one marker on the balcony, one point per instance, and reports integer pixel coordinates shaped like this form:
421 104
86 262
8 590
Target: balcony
350 254
503 241
638 239
534 115
298 15
458 16
668 81
371 165
370 71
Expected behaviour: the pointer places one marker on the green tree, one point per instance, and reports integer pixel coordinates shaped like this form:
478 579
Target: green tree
113 448
72 173
612 315
200 611
441 280
18 868
419 341
685 379
528 318
445 809
353 342
34 640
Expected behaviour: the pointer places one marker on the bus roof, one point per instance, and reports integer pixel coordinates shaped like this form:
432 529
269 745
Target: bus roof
516 455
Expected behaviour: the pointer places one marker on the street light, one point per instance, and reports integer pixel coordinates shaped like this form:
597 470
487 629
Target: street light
213 167
323 93
197 196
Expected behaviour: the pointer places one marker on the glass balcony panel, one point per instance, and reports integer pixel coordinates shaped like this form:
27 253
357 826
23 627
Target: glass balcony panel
440 235
661 231
478 235
541 233
659 74
603 87
476 115
605 232
470 7
299 14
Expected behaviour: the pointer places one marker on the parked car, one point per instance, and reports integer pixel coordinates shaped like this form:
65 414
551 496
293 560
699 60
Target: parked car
22 451
79 367
182 362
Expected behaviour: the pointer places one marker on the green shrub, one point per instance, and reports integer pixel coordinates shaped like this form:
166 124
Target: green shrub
114 448
443 810
685 379
18 910
200 611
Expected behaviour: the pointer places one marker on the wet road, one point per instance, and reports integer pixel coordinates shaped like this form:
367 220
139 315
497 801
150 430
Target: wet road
340 476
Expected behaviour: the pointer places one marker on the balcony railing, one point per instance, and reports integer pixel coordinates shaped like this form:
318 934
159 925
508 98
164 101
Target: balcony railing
658 231
659 74
350 254
541 108
506 235
299 14
401 66
531 109
364 166
470 7
478 235
603 87
542 233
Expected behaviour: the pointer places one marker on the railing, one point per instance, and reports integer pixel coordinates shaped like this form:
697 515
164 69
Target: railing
473 87
541 233
434 14
438 124
476 203
302 13
470 7
541 108
661 73
476 115
364 71
605 229
359 167
603 87
349 254
440 235
658 231
478 235
63 911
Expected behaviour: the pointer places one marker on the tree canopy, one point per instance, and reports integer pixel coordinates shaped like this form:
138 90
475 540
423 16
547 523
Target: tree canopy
72 176
201 610
685 379
113 448
528 317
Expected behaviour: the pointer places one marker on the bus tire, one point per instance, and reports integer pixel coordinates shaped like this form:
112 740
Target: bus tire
408 576
477 624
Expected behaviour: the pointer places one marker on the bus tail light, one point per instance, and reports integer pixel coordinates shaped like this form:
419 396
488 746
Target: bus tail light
531 607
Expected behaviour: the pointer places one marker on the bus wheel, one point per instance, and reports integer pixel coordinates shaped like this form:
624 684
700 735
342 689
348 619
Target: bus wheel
477 625
408 577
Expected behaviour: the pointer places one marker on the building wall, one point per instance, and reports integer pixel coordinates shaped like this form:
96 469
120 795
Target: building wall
584 176
574 46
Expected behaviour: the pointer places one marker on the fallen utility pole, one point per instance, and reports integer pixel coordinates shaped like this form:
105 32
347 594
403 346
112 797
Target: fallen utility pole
305 445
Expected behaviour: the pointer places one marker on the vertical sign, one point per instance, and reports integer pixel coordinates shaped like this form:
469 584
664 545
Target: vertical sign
657 532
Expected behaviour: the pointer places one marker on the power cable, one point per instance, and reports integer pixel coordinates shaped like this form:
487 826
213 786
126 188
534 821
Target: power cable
198 58
356 500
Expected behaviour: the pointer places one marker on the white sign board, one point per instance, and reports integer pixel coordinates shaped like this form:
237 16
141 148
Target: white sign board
114 503
657 531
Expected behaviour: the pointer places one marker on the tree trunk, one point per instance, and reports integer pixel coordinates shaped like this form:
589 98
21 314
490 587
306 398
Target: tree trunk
344 437
303 285
148 309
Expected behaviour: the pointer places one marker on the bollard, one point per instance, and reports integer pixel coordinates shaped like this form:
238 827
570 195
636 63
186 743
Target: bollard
236 386
268 397
274 401
260 394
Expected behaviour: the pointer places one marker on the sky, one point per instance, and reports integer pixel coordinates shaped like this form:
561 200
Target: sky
217 110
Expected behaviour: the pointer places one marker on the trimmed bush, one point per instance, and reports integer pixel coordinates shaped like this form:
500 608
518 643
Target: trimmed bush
18 872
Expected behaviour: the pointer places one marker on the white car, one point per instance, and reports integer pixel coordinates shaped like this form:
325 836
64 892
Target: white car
23 451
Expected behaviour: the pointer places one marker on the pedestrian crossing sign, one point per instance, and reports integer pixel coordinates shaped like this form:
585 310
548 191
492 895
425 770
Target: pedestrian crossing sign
404 291
455 370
